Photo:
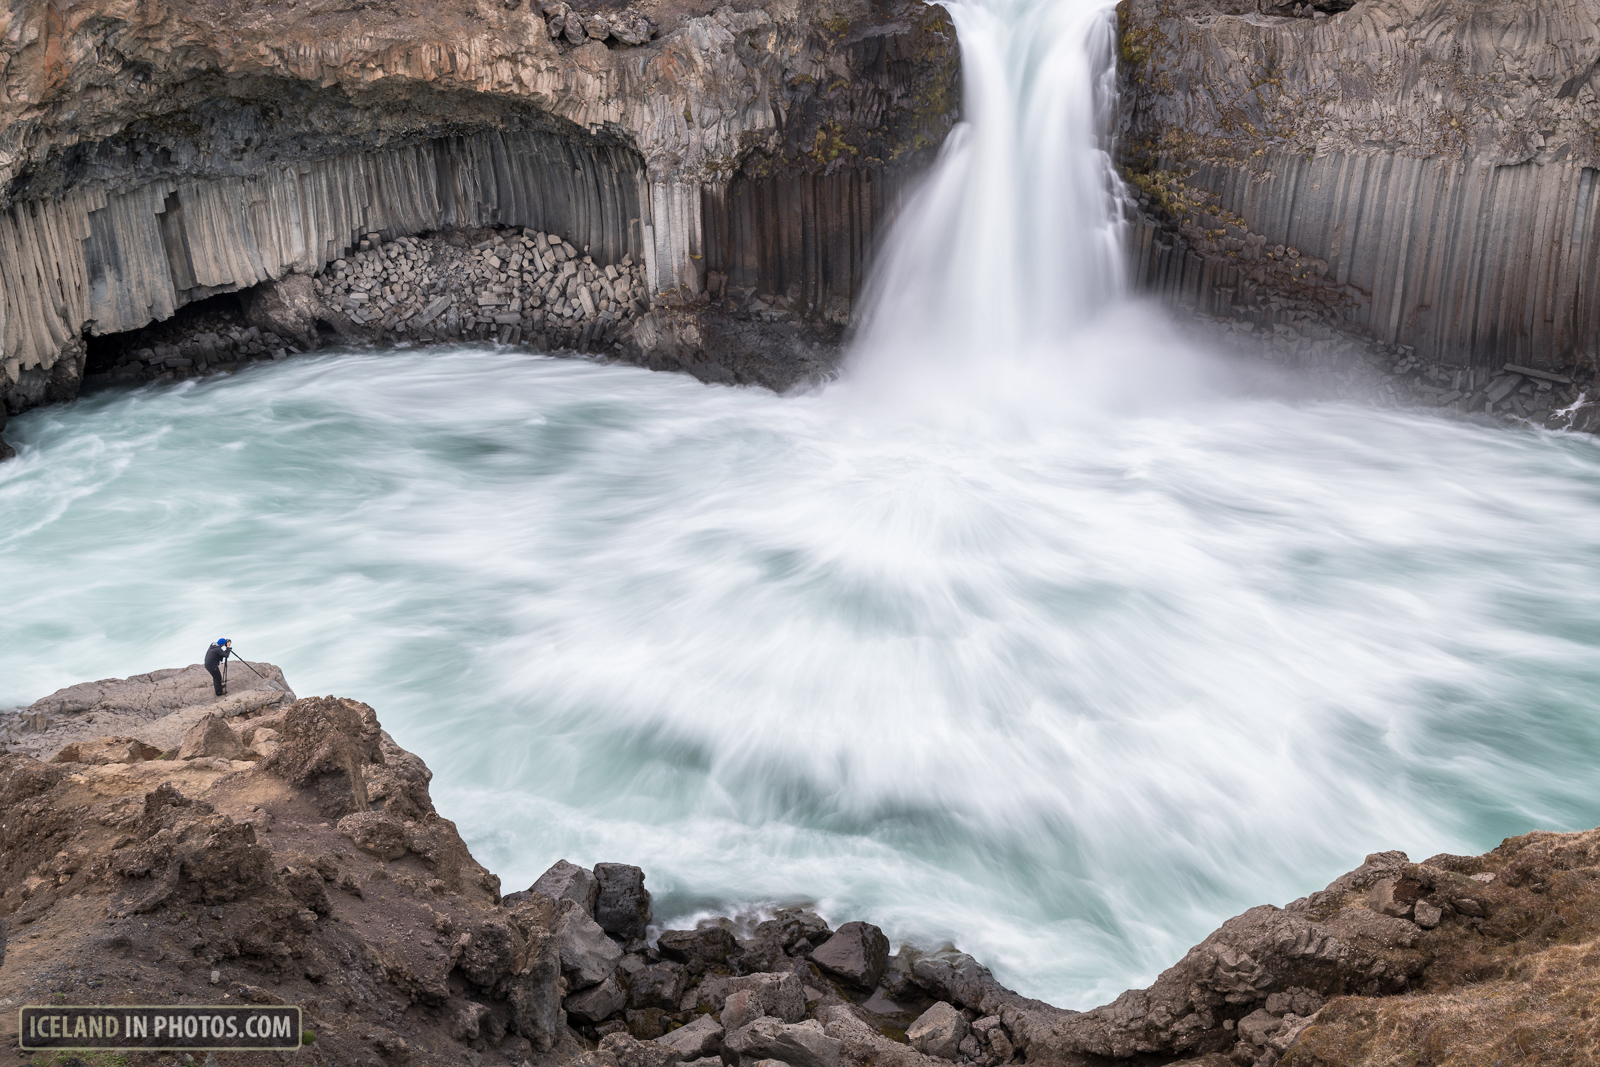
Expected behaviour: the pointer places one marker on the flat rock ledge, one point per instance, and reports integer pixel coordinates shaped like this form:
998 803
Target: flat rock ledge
161 845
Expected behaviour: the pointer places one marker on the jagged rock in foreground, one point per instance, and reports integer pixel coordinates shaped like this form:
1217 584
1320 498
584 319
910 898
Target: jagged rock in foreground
287 850
212 879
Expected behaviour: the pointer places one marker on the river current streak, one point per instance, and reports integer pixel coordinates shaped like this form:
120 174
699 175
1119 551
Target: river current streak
1067 695
1029 634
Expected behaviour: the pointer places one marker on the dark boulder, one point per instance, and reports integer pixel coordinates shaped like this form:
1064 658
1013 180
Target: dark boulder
710 948
858 952
656 986
533 991
288 307
588 956
568 881
701 1037
598 1003
797 1044
622 907
781 996
792 931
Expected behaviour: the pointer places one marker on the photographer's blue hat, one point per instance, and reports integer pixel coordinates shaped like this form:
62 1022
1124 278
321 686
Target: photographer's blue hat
222 640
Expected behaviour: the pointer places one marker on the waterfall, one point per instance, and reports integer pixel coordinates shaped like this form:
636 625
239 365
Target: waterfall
985 643
1012 247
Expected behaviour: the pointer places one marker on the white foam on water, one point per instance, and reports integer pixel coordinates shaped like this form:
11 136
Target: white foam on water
1029 634
1067 695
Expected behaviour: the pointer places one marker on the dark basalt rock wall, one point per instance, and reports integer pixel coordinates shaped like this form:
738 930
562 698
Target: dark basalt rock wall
156 156
806 237
154 250
1419 172
801 219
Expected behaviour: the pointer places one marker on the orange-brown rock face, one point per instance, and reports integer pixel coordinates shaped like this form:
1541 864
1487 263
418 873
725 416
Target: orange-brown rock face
234 879
295 857
155 153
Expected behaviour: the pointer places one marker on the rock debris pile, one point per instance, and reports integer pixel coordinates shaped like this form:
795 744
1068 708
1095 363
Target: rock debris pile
783 986
626 27
515 287
522 287
220 347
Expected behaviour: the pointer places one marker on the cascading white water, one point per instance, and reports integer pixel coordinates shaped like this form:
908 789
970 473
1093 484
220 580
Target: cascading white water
1012 247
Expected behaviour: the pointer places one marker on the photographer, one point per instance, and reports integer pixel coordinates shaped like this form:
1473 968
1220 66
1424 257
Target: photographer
216 653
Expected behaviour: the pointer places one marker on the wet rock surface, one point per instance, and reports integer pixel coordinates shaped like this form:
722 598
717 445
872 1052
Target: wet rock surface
297 858
857 952
1325 360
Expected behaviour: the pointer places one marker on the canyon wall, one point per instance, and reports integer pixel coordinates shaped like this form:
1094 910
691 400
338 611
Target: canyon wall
1419 171
157 153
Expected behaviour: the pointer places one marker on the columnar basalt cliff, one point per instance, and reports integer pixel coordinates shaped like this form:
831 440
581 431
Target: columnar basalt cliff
155 154
161 845
1421 172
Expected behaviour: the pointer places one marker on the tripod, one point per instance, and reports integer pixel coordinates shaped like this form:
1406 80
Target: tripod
231 654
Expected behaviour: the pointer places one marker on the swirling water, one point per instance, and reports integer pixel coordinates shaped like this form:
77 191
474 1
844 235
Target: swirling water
1066 690
1036 633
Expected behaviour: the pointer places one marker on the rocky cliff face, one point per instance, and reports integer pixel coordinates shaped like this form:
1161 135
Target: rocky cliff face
1421 172
159 844
155 154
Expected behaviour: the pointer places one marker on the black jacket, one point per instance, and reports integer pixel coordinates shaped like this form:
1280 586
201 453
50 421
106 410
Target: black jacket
215 654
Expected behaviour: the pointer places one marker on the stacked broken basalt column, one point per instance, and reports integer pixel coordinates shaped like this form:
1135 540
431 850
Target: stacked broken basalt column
626 27
516 287
783 987
209 350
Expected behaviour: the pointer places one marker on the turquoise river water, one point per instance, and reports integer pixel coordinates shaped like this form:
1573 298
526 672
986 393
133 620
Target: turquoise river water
1064 686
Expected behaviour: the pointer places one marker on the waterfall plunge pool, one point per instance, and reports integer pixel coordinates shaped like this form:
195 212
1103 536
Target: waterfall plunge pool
1067 690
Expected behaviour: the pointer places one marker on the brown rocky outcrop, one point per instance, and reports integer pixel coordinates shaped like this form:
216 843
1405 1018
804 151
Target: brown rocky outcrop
318 873
210 736
155 710
218 879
